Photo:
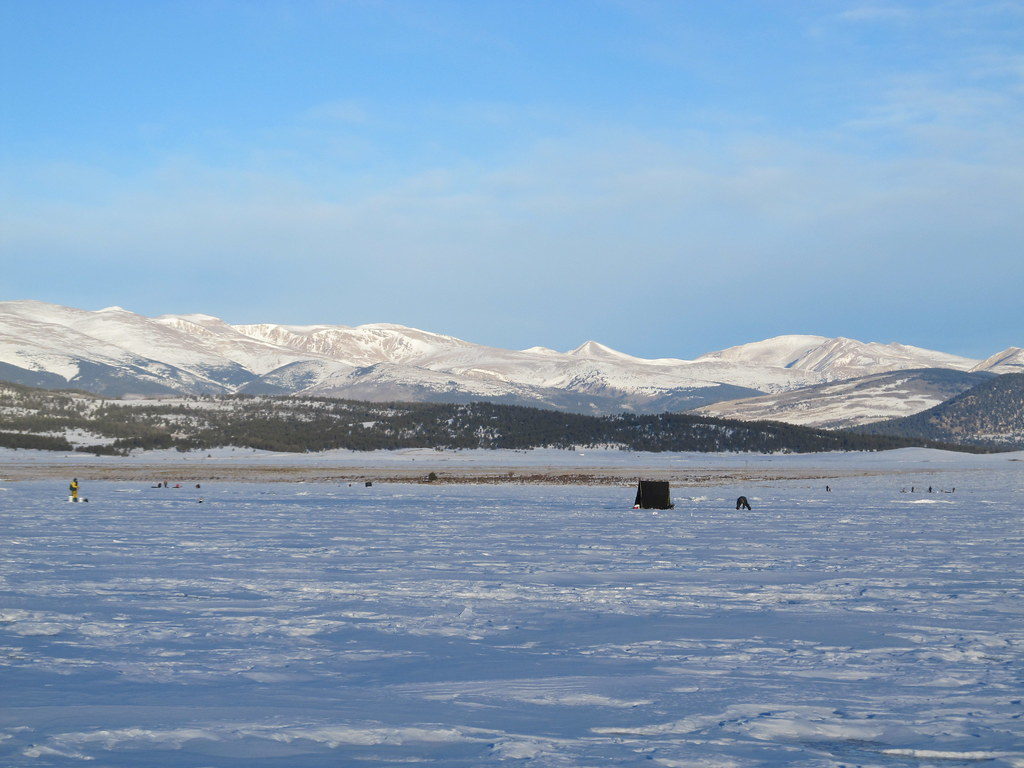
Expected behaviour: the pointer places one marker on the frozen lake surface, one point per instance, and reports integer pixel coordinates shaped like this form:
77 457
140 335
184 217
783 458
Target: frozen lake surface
321 625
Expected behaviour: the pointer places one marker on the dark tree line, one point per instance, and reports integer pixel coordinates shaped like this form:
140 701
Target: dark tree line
18 440
315 424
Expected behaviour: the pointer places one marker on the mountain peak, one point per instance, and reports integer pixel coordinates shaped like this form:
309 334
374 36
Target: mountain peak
837 358
778 351
388 327
193 317
599 350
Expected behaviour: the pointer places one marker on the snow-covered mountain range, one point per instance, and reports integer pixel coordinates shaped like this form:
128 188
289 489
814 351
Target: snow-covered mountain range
117 352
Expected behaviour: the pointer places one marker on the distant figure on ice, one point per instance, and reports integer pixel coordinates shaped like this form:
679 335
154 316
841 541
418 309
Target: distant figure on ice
742 503
929 489
74 489
827 489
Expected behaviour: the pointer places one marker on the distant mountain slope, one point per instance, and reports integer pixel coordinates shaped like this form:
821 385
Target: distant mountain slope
34 418
991 413
1010 360
117 352
778 352
849 403
838 358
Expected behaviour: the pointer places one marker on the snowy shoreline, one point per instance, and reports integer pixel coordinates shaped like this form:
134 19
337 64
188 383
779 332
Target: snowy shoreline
545 466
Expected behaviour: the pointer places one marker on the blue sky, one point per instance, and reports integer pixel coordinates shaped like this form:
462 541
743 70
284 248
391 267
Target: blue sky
665 177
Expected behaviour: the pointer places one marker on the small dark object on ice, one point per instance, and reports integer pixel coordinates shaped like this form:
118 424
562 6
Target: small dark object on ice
742 503
653 494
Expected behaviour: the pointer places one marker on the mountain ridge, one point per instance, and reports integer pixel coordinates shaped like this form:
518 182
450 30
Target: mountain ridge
116 352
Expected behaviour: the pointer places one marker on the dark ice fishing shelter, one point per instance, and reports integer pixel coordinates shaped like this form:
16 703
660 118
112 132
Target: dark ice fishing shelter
653 494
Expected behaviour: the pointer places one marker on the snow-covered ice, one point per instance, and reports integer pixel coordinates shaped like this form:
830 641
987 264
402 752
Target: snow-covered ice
326 625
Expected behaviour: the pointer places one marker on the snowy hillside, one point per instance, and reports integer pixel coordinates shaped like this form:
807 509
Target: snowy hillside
838 358
78 421
778 352
990 414
852 402
117 352
1010 360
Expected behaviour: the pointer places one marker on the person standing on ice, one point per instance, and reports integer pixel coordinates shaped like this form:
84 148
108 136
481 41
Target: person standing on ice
74 489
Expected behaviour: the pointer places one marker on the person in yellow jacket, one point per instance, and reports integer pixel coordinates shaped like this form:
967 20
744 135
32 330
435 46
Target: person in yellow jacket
74 489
